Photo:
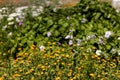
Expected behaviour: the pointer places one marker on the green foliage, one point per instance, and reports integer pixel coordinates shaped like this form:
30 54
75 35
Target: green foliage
85 19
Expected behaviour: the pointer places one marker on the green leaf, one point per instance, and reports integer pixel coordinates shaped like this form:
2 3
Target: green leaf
108 47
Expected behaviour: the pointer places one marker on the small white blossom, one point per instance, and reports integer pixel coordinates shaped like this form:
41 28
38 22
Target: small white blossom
68 17
4 8
35 14
0 10
49 34
70 42
108 34
9 34
83 20
39 9
10 23
118 52
13 15
113 51
55 9
20 9
88 37
42 48
10 19
78 42
4 27
118 38
98 52
69 37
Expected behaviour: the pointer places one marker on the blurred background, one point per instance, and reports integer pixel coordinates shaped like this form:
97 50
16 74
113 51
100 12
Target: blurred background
64 3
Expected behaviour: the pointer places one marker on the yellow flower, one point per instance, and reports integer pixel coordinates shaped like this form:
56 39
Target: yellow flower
92 75
20 70
1 42
16 75
22 62
57 78
58 51
49 42
45 55
54 43
39 65
56 55
33 47
118 76
82 48
42 72
43 67
74 45
59 73
9 51
62 63
1 78
69 64
32 78
58 60
54 63
70 73
94 56
31 70
93 48
19 49
67 56
98 76
63 50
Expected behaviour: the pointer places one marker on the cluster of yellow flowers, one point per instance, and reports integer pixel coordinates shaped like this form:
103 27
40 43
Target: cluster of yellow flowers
59 63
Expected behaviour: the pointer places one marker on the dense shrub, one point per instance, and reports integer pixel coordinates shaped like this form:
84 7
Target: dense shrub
84 25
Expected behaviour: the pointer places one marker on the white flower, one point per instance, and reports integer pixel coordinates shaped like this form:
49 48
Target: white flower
70 42
116 4
49 34
19 9
13 15
118 38
98 52
10 19
0 10
40 9
69 37
4 27
78 42
88 37
11 23
83 20
108 34
68 17
113 51
118 52
42 48
4 8
9 34
35 14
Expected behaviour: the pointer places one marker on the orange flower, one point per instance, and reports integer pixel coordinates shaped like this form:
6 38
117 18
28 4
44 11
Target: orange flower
1 78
